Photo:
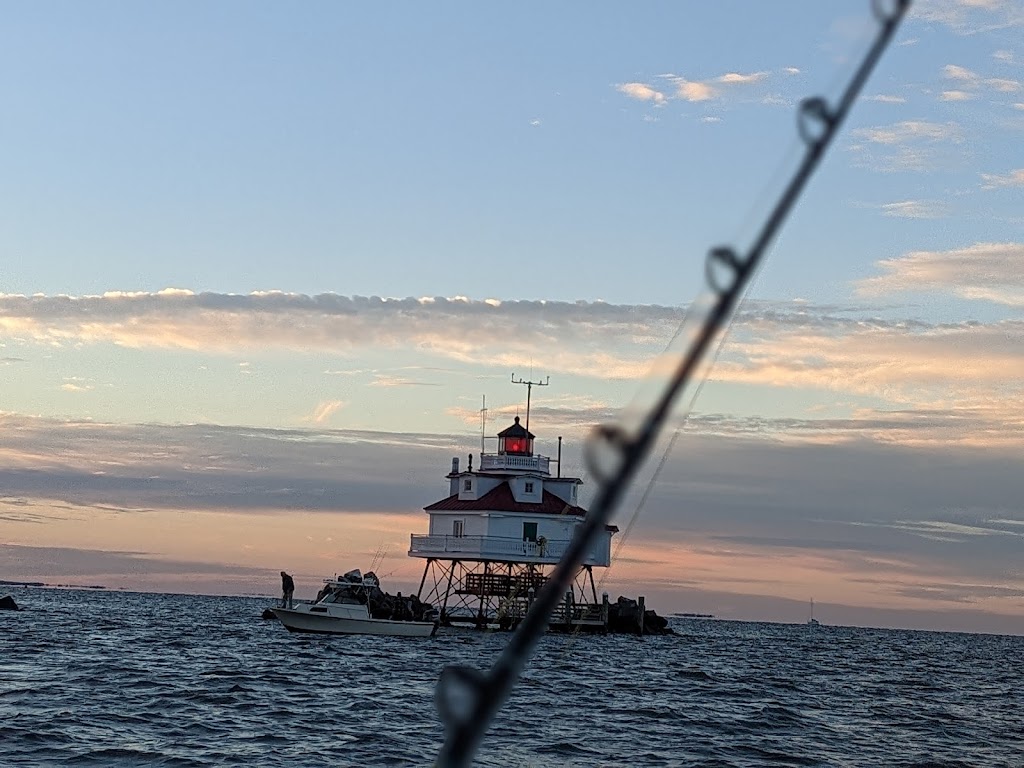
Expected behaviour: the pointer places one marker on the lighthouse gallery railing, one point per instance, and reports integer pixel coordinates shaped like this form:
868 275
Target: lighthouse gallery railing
499 547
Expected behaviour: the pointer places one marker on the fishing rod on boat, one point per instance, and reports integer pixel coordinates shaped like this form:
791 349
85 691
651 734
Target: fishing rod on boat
468 699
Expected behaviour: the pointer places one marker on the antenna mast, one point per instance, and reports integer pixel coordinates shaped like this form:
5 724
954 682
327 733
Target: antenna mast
529 388
483 423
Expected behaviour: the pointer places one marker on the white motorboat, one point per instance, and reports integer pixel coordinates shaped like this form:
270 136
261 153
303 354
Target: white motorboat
355 605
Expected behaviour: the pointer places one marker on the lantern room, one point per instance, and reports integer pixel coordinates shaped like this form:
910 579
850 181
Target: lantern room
515 441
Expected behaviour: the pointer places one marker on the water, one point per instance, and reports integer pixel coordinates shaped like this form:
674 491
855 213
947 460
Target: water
125 679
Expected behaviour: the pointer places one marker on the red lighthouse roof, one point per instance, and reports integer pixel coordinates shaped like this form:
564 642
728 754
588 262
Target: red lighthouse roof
516 430
500 499
516 440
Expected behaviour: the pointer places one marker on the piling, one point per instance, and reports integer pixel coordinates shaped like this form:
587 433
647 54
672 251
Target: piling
640 614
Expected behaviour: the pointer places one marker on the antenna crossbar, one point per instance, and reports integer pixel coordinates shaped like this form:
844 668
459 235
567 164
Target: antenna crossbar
529 389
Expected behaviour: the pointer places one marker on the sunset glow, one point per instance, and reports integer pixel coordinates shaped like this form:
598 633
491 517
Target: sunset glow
255 301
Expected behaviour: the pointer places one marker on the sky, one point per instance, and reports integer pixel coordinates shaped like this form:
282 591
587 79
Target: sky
262 265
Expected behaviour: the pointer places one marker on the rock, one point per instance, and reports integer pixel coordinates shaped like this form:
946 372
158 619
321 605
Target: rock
656 625
7 604
624 618
269 614
398 607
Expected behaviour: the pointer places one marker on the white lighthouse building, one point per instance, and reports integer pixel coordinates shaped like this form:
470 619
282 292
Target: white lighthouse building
493 539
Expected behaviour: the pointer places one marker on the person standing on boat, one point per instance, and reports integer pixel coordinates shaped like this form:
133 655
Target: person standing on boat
287 590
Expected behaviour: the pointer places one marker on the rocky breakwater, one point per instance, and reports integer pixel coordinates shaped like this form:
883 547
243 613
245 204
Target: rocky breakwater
398 608
624 617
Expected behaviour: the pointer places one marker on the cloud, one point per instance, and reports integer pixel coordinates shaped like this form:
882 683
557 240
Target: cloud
915 209
924 506
910 131
576 414
887 99
735 78
214 468
969 17
691 90
910 145
36 562
76 384
1012 179
816 514
1003 85
940 383
972 84
954 531
983 271
951 386
705 90
945 512
694 91
961 424
642 92
325 410
384 380
966 76
905 365
455 329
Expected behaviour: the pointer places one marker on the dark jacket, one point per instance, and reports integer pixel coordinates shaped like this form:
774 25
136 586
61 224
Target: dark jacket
287 585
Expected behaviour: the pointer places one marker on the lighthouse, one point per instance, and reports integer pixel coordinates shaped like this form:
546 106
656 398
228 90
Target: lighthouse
494 538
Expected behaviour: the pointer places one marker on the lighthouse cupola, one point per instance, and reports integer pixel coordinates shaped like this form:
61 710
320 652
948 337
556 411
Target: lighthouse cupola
515 441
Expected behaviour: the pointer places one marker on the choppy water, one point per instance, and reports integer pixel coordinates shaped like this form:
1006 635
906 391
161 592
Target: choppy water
125 679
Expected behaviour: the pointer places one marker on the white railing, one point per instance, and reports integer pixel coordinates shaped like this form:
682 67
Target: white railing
487 547
492 461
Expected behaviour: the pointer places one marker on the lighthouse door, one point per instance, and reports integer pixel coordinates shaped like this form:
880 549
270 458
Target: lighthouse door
529 532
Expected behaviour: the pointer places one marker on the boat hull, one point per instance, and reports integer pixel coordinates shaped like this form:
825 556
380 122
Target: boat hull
321 624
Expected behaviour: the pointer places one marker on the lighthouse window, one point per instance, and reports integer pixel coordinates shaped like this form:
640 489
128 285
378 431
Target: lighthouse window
529 487
458 528
467 485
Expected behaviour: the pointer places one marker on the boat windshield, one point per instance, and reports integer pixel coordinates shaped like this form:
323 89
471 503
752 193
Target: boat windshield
345 593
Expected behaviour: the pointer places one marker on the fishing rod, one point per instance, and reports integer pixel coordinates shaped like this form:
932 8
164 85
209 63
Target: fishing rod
468 699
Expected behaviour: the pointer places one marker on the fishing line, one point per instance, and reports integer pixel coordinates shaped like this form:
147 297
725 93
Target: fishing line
833 86
468 699
621 543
